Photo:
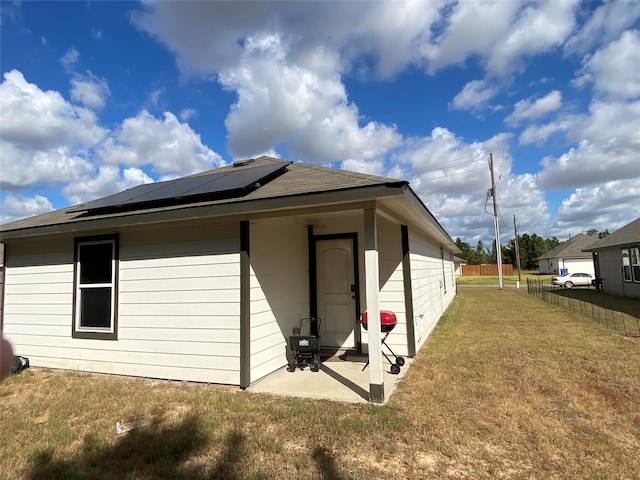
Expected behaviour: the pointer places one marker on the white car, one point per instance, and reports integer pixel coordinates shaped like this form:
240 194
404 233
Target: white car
573 279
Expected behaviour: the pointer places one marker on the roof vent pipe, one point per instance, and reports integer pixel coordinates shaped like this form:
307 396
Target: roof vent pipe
244 163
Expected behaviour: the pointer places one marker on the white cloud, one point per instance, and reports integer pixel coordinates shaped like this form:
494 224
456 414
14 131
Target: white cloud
452 177
43 137
540 27
108 180
16 206
279 103
607 139
528 110
501 34
209 37
90 90
187 114
474 95
604 25
465 33
33 118
541 133
70 58
169 147
613 68
46 140
153 100
604 206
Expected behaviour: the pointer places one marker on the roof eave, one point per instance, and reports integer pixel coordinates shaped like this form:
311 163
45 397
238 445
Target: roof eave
415 201
185 212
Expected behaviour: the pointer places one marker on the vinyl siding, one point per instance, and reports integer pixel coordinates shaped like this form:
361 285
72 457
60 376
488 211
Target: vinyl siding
38 298
432 292
611 272
391 296
179 294
279 289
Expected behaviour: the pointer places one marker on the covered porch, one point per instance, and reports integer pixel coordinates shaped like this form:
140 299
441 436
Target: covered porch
331 265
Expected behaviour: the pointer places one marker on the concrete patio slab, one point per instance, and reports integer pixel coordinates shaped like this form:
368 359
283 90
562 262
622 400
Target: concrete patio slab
339 380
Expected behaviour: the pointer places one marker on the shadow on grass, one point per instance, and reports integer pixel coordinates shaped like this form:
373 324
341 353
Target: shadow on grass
627 305
148 452
158 452
326 464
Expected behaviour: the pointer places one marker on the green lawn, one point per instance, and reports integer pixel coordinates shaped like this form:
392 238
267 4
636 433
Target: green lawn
506 279
506 387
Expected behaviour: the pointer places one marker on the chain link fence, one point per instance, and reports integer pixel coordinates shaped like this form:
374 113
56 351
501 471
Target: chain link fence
619 314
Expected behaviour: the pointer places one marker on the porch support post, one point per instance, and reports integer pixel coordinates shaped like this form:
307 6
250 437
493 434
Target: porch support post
408 292
245 305
372 283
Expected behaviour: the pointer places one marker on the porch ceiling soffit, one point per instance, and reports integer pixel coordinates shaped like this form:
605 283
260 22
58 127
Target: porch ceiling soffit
326 209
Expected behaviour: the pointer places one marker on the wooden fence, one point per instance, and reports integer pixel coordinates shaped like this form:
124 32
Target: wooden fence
486 270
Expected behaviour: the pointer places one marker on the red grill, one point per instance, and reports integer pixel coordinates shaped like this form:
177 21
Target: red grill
388 321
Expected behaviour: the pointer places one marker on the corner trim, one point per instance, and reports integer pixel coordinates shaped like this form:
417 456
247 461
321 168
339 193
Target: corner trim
245 305
408 292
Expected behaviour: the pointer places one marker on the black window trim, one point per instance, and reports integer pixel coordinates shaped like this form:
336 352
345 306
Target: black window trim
87 334
632 276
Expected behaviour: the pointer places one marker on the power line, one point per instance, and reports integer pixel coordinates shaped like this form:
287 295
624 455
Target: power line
454 160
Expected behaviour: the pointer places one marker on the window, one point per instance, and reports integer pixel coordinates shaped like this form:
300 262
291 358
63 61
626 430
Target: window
444 275
635 263
626 265
96 282
631 264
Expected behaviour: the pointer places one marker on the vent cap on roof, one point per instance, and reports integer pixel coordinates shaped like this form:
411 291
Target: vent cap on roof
244 163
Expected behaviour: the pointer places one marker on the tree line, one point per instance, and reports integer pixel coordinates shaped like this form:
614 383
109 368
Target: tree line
532 246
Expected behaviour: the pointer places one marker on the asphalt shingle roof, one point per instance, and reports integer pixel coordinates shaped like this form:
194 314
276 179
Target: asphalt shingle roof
572 248
627 235
298 179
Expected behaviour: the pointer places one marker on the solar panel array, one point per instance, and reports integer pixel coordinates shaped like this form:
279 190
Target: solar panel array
215 185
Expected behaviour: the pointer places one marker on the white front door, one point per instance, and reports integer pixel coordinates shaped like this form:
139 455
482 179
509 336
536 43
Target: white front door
336 292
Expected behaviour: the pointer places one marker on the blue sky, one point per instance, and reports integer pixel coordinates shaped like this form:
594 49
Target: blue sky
97 97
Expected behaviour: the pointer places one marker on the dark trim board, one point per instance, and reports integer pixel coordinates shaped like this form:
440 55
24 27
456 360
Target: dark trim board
408 292
245 304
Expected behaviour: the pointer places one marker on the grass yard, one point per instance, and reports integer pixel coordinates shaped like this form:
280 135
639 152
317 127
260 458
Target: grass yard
506 279
506 387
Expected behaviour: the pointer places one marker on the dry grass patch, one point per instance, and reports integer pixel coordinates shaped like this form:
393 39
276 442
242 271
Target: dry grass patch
507 387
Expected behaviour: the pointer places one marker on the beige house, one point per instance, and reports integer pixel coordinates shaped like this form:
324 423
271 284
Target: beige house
203 278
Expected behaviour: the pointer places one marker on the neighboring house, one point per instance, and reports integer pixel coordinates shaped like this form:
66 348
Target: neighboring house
616 259
203 278
569 257
458 263
1 279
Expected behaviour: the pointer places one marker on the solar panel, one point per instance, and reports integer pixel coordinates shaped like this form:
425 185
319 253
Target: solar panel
226 184
117 198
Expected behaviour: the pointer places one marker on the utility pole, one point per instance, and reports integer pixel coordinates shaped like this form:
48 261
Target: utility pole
496 223
515 229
